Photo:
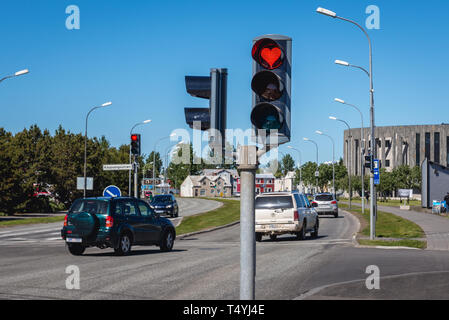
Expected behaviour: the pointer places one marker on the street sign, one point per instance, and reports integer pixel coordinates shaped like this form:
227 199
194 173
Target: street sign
317 174
376 171
116 167
80 183
112 191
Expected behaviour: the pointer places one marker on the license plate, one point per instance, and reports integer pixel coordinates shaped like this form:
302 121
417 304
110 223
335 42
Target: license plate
74 240
159 211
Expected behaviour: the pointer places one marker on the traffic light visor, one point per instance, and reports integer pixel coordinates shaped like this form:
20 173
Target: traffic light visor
268 53
268 85
267 116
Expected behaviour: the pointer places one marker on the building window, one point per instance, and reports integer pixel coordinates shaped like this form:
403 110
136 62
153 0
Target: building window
436 145
418 149
202 192
427 145
387 163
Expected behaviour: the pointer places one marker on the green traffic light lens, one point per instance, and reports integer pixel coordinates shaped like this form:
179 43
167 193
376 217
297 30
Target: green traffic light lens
267 116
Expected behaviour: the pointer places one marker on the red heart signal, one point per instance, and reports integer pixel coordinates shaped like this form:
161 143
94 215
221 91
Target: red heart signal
271 55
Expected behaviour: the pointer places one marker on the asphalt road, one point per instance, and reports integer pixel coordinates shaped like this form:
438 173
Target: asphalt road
206 266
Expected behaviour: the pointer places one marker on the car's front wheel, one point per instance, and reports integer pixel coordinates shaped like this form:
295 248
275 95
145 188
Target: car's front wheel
167 241
124 245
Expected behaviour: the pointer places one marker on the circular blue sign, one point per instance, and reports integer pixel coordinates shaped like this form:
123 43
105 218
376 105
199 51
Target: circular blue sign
112 192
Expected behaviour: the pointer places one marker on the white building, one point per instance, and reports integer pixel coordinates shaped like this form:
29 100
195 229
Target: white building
285 183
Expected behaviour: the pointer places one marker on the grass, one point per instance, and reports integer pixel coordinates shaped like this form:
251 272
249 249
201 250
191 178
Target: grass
389 226
228 213
388 203
18 222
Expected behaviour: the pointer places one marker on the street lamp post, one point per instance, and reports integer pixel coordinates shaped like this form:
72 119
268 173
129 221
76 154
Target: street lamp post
130 160
349 158
85 144
18 73
300 165
333 158
373 199
154 158
362 146
317 172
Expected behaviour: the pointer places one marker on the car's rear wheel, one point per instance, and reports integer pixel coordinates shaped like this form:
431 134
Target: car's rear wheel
167 241
302 233
76 249
124 245
336 214
258 237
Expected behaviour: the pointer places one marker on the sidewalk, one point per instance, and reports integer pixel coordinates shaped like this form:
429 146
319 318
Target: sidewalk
435 227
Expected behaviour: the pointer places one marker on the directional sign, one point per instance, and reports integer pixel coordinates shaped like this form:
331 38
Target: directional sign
116 167
112 191
376 172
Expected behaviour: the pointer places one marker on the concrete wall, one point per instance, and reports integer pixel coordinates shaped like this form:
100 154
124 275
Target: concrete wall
435 183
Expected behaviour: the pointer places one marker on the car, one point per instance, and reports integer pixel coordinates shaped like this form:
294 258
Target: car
117 223
165 204
325 204
280 213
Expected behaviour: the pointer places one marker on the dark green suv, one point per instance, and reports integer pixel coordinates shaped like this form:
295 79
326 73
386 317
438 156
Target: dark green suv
117 223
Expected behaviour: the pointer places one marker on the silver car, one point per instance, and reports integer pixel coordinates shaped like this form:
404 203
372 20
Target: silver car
325 204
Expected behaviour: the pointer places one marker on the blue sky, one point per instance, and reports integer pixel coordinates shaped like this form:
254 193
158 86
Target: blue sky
136 54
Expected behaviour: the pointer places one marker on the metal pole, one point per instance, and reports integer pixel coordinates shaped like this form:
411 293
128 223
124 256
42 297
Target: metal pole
85 152
136 191
247 223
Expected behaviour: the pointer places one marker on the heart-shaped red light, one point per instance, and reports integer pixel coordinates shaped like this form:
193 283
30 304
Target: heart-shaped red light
271 55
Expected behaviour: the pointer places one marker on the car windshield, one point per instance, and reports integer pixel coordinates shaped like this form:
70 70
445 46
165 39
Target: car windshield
162 199
90 206
276 202
324 197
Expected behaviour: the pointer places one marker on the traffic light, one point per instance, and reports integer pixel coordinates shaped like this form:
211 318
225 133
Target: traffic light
271 86
369 162
135 144
213 88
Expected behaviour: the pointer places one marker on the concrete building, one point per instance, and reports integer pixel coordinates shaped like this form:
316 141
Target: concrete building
399 145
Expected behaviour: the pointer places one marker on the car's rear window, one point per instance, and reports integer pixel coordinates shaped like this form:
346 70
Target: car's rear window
90 206
324 197
275 202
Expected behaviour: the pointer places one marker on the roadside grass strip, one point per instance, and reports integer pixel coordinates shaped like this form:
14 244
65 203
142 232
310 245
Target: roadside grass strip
391 230
26 221
226 214
387 203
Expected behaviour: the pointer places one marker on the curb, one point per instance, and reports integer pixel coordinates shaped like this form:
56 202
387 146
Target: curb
186 235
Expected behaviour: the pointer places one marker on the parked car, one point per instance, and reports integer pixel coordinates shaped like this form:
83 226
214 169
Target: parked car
165 204
285 213
325 204
117 223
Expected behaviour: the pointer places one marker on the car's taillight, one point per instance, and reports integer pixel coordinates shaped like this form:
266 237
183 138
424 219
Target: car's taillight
296 215
313 202
109 222
65 220
334 202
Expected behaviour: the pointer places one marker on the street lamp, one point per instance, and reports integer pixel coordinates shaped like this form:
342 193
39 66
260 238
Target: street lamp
362 147
347 64
317 172
333 158
373 200
300 166
350 157
106 104
130 133
18 73
154 157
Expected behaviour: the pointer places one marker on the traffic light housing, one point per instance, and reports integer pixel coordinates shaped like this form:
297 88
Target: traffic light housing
135 144
369 163
271 86
214 89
